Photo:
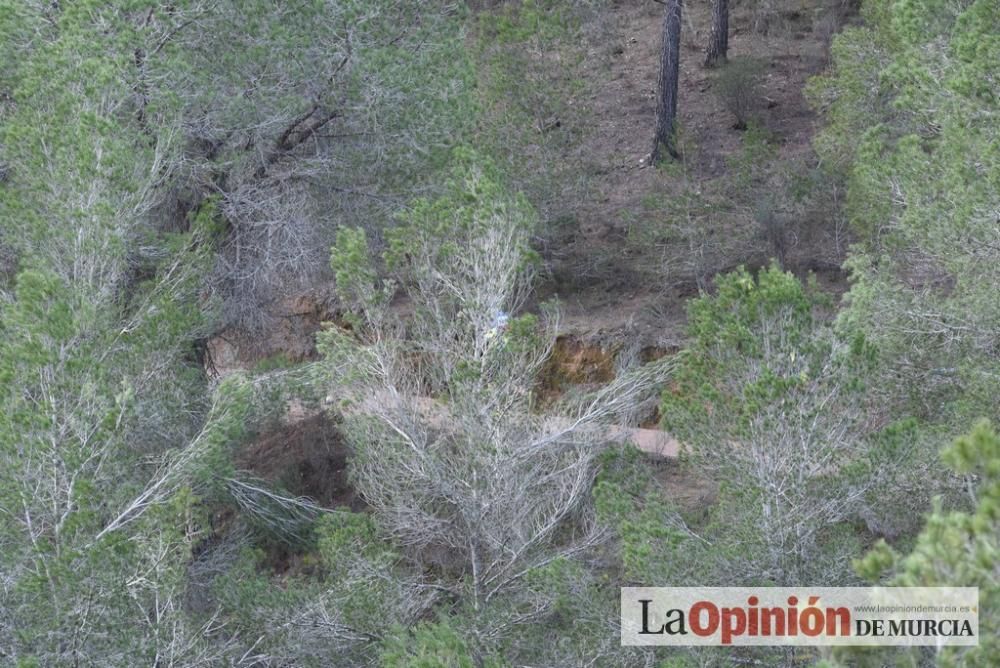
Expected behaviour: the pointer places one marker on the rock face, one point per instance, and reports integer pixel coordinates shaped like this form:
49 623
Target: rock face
292 335
575 362
651 441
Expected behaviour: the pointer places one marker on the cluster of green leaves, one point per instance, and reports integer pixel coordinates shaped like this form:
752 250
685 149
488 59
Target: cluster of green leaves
104 470
912 124
770 403
463 258
747 165
731 329
956 549
76 171
650 545
346 598
110 440
475 196
660 543
923 187
435 645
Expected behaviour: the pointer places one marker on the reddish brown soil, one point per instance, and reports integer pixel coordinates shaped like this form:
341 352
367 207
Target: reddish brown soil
292 335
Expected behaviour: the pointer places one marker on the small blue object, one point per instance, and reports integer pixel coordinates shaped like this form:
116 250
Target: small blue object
500 319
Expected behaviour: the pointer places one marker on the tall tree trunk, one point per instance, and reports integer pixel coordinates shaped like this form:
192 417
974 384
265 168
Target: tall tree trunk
718 40
666 95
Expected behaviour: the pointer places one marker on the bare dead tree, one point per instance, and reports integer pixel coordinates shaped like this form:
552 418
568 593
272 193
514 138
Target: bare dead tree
465 474
664 140
718 39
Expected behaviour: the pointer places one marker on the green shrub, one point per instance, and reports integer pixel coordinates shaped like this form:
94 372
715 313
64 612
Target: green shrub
738 85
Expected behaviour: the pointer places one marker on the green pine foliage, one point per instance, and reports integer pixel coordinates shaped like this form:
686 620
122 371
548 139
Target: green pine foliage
770 402
430 646
923 187
955 548
110 437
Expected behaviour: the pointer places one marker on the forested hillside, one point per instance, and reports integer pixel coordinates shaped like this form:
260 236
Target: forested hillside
395 333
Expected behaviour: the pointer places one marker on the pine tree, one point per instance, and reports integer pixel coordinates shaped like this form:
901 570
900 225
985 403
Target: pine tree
664 138
109 433
718 39
770 402
957 548
912 112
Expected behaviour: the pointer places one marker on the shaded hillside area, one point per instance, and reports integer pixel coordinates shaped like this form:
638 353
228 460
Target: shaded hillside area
626 252
630 243
644 239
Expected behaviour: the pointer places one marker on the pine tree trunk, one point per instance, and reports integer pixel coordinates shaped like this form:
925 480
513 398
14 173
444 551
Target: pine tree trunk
718 40
666 95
